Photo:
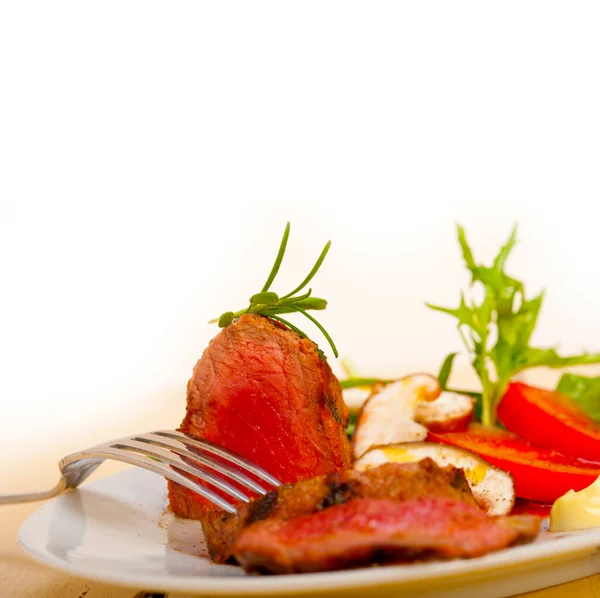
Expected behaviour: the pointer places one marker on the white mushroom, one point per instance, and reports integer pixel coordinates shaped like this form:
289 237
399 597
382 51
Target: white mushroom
492 488
388 415
449 412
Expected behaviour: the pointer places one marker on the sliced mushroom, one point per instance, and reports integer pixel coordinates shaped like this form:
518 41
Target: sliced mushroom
388 415
450 412
492 488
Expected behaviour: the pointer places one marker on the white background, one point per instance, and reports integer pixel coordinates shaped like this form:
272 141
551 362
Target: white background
151 153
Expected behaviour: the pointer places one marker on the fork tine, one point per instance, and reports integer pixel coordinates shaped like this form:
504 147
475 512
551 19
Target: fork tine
209 447
167 456
106 452
170 454
179 449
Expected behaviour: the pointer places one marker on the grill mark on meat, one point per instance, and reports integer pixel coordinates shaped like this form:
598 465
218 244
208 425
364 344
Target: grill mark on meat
337 493
379 556
330 405
307 374
261 508
456 480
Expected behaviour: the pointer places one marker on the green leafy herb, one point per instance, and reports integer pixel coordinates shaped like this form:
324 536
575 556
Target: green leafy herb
354 379
349 368
270 304
584 391
497 330
354 382
444 375
351 423
446 369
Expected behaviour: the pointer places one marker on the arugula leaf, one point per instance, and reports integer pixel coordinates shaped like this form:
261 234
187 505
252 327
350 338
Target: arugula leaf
506 315
584 391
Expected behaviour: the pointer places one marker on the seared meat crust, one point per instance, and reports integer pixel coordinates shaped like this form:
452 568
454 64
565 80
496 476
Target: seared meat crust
397 481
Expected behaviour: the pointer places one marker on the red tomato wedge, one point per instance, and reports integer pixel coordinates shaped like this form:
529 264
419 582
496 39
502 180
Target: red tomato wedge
550 419
540 474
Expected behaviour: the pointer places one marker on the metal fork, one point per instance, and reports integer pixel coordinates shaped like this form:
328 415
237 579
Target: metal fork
168 453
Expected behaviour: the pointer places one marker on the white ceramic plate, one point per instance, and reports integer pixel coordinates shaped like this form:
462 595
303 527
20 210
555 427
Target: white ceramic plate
117 530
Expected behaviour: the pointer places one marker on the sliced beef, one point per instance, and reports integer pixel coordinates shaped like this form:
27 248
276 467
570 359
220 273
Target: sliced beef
265 393
398 481
526 526
367 531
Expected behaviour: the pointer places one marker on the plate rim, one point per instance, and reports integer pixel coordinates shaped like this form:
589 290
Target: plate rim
580 544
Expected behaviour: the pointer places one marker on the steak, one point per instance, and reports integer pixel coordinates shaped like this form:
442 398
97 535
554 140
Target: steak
397 481
269 395
367 531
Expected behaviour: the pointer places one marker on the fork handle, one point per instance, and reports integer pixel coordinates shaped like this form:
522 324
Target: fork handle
74 470
11 499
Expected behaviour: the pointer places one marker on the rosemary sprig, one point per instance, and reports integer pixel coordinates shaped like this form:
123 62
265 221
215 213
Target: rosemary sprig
270 304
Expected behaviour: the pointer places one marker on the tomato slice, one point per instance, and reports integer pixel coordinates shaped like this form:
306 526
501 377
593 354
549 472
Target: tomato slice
540 474
550 419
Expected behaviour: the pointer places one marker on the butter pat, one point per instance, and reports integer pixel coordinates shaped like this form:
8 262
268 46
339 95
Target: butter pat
577 510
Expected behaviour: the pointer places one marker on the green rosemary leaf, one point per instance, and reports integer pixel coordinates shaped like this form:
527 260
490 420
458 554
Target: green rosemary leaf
312 273
298 298
312 303
290 325
264 298
226 319
287 307
320 327
278 259
269 304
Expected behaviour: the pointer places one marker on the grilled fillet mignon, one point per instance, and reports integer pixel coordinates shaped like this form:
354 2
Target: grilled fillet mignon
367 531
398 481
265 393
